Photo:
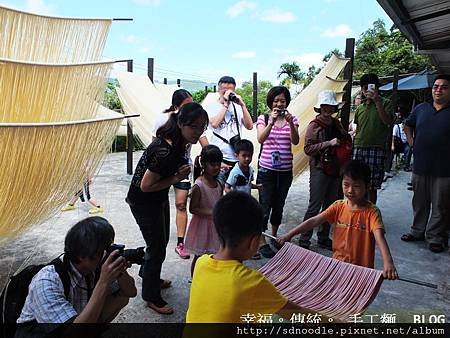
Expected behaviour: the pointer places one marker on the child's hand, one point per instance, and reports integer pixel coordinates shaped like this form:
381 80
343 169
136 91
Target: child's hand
389 271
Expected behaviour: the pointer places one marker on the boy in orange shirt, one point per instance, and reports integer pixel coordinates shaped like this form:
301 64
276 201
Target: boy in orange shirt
357 223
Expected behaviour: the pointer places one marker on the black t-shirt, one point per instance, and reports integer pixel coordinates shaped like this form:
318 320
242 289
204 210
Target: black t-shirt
161 158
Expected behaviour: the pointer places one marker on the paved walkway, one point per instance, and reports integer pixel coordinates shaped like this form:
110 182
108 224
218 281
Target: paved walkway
414 260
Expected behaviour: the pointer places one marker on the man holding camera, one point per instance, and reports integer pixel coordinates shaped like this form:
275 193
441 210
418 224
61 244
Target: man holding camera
98 288
226 117
373 120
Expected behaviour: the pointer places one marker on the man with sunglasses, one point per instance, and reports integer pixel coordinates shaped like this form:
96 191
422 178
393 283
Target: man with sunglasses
428 127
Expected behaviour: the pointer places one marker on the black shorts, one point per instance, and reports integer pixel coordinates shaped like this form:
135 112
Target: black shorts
183 185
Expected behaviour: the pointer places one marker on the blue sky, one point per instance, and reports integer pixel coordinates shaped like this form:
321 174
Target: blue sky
204 39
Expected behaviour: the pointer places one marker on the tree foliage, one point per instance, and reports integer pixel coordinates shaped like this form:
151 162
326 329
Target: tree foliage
200 95
111 99
246 92
382 52
292 74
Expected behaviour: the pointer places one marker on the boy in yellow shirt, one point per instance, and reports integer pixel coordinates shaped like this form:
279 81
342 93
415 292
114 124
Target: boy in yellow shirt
223 289
357 223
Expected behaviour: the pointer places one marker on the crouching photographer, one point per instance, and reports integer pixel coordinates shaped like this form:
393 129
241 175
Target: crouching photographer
90 284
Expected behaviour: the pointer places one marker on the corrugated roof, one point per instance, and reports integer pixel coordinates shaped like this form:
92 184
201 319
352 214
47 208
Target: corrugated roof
426 23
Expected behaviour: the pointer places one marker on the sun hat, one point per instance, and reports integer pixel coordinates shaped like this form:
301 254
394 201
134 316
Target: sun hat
327 97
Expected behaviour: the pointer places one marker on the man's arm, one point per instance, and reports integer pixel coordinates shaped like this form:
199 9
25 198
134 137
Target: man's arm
217 119
246 117
409 134
203 141
376 98
110 271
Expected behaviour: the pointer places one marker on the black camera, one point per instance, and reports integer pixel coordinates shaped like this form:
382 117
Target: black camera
233 98
281 112
134 256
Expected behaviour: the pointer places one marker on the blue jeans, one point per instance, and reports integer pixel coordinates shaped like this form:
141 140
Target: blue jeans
275 188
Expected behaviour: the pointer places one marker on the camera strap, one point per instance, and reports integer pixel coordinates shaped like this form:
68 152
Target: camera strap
236 117
237 126
221 137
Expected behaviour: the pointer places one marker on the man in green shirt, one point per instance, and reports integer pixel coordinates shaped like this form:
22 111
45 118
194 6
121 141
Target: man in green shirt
373 119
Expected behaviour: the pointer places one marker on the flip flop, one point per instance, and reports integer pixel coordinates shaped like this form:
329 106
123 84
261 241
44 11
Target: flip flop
165 283
164 310
410 238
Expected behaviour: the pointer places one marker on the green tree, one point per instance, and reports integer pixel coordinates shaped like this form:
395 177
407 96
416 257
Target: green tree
200 95
335 51
292 72
111 99
382 52
246 92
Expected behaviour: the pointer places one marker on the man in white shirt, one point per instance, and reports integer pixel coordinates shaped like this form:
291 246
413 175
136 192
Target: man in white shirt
226 117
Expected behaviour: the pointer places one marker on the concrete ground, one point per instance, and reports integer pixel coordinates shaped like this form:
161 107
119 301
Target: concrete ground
45 241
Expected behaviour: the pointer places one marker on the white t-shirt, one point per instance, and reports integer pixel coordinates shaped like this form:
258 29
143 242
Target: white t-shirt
399 132
226 129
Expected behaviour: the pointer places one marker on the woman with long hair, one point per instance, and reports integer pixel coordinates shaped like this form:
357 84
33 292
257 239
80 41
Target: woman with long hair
162 164
180 97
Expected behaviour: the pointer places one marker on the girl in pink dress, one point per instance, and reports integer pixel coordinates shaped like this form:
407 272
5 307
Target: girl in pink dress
201 237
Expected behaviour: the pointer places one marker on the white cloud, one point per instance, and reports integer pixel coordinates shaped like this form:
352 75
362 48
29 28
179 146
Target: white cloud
306 59
240 7
147 2
130 39
244 55
144 49
39 7
276 15
340 30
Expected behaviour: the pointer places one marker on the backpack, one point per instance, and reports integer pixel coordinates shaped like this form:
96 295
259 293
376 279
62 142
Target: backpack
266 119
15 293
333 159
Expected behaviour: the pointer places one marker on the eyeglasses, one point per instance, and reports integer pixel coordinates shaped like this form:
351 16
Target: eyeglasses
201 128
443 87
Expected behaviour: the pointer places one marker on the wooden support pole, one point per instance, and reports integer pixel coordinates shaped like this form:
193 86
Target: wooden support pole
150 68
348 75
130 137
165 80
206 90
255 96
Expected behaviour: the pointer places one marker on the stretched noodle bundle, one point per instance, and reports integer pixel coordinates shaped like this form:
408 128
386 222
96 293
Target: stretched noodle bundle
302 105
43 165
33 92
31 37
323 284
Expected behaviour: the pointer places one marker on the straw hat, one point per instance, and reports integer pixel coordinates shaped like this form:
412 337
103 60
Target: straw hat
327 97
